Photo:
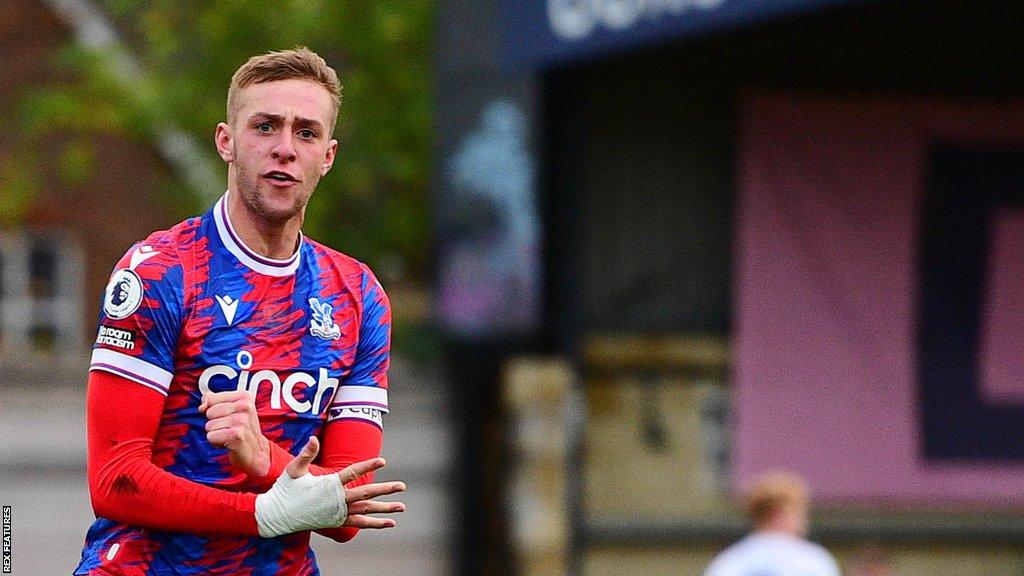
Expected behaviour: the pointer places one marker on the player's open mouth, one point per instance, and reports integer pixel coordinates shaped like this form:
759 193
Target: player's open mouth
282 177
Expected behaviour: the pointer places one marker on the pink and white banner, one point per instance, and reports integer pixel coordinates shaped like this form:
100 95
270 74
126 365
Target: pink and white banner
865 359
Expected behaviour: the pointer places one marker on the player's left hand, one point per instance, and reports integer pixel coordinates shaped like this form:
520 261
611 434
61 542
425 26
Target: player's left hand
232 423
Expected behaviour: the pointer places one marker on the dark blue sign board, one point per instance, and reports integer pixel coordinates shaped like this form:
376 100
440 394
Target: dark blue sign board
546 32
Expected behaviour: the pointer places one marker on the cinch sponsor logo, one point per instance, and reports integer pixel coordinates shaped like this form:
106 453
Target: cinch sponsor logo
117 338
248 381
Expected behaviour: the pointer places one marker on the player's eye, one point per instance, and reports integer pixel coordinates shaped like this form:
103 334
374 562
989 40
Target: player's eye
307 134
264 127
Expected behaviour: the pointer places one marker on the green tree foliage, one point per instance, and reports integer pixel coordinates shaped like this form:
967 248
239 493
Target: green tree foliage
372 204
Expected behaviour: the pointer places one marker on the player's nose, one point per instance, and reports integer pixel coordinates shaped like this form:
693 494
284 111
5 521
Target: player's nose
284 147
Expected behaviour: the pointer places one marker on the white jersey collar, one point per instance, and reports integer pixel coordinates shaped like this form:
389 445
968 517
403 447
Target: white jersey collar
233 242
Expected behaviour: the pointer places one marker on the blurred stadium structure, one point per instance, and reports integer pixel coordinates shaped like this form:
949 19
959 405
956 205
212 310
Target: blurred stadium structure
760 234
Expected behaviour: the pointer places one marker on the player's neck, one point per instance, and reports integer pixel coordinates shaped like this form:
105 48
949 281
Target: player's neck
274 240
781 525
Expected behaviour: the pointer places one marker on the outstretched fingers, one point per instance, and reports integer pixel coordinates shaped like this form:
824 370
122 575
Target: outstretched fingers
353 472
371 491
375 507
361 521
360 499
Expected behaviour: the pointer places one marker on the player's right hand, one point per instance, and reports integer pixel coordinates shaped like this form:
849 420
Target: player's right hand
300 501
232 423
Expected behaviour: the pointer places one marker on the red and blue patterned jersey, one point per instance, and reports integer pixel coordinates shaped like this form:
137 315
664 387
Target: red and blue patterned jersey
192 310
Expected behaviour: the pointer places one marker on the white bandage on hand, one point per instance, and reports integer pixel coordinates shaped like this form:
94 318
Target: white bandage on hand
304 503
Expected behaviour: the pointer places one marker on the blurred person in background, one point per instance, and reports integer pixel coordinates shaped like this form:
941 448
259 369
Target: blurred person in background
778 505
232 352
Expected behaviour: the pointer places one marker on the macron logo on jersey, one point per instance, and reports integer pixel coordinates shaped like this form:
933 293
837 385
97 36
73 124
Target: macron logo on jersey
228 306
141 254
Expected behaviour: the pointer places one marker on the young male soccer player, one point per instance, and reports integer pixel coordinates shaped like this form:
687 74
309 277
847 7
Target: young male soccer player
231 342
778 506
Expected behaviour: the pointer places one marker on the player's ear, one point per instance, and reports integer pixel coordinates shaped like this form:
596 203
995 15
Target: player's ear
332 151
223 138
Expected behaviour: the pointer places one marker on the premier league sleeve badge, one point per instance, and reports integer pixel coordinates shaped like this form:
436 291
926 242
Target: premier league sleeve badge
123 295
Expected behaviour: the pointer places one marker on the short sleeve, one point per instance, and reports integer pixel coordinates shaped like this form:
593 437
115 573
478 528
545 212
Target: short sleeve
363 394
141 316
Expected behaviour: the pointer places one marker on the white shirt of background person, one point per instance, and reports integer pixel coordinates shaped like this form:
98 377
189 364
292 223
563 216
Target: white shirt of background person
778 505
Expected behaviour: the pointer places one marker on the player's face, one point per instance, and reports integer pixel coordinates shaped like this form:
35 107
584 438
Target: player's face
278 146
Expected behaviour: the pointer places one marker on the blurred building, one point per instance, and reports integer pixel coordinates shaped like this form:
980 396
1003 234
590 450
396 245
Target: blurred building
72 202
742 235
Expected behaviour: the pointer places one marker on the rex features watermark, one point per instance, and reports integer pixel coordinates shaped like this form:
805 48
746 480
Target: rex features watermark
7 540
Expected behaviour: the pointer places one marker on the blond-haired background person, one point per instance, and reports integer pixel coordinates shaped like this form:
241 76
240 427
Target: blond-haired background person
778 507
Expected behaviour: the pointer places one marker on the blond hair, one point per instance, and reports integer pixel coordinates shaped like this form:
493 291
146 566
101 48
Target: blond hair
300 63
773 492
